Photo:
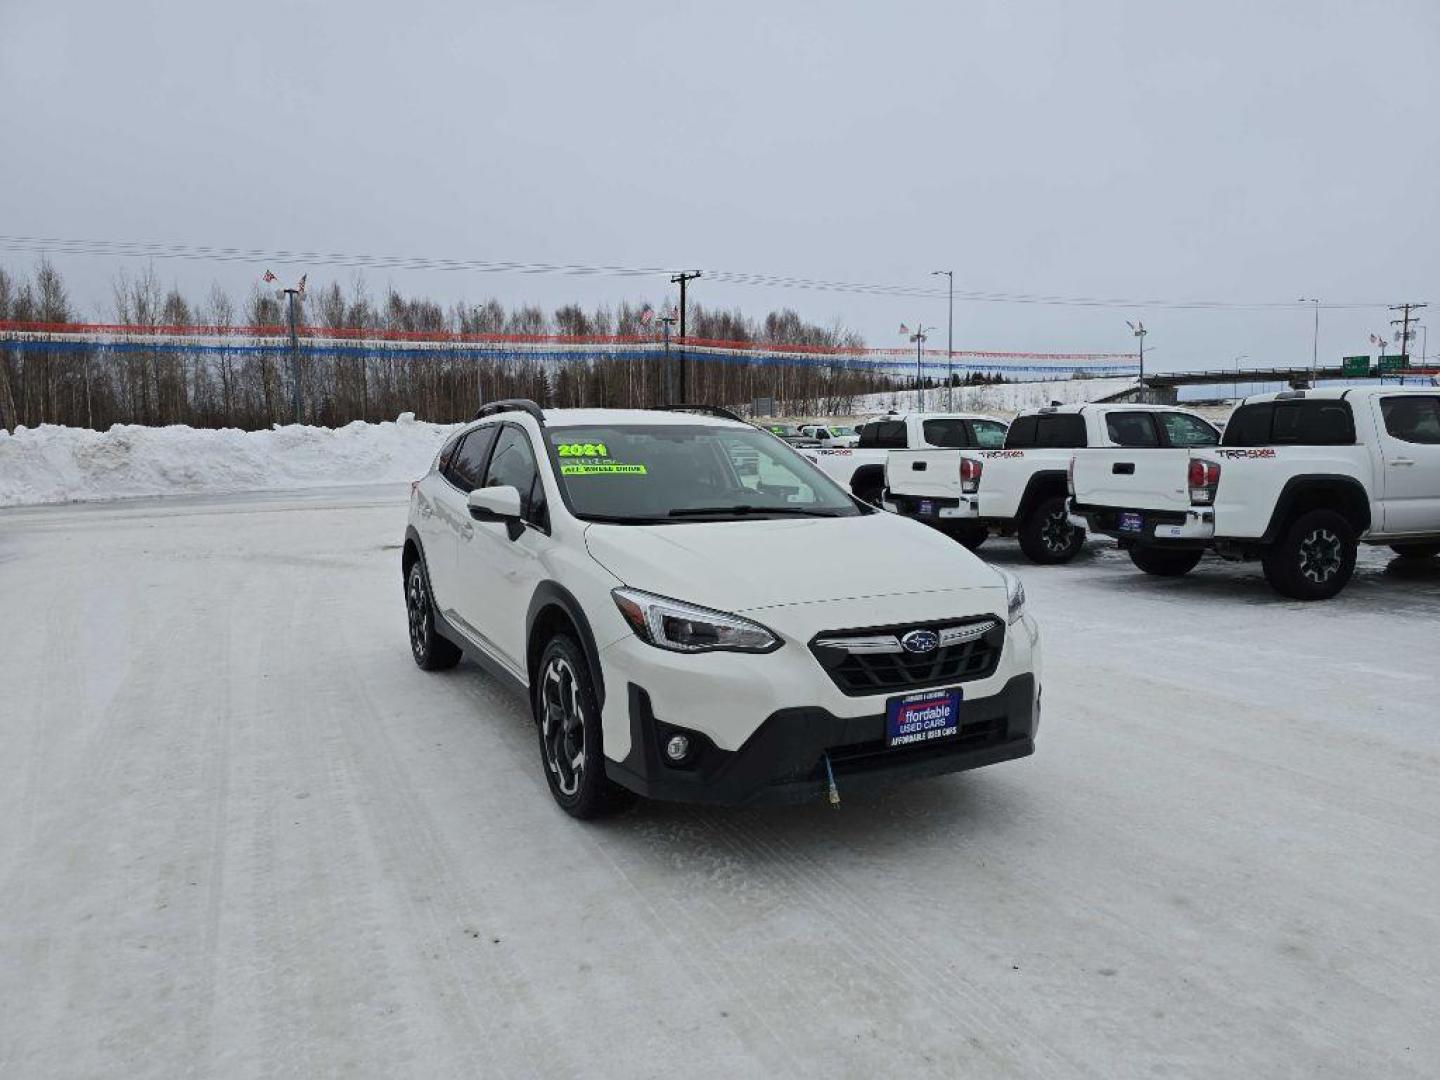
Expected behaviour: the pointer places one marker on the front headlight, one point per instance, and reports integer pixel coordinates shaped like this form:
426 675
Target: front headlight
680 627
1014 596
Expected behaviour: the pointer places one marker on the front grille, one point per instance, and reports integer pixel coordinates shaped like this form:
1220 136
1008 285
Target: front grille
873 661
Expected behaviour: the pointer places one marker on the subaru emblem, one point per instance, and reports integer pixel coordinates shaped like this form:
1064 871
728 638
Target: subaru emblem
920 641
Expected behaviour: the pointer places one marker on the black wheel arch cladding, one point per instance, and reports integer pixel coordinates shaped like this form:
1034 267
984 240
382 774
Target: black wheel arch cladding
549 600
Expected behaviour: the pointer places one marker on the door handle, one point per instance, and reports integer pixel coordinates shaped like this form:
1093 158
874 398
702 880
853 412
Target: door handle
919 466
1123 468
1402 461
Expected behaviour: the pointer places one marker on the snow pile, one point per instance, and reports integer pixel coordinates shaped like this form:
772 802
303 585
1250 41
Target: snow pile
52 464
1003 400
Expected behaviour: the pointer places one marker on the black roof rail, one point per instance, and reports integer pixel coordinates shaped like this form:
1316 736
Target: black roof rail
703 410
525 405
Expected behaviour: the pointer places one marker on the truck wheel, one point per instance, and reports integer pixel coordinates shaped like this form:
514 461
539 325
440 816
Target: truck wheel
1314 559
1046 535
1416 551
567 719
431 651
868 489
1165 562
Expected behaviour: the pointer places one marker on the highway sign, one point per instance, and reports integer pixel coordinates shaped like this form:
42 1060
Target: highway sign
1394 363
1353 366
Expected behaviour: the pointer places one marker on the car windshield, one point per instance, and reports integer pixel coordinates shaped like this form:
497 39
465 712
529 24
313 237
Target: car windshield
842 430
783 430
649 473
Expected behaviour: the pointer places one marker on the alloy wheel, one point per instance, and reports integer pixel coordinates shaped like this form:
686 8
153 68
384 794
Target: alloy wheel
563 726
1057 533
417 609
1320 556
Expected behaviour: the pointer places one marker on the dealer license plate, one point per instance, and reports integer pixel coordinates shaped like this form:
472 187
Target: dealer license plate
927 507
1132 522
922 717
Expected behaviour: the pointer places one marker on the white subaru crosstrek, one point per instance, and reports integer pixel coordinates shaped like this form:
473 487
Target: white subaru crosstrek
699 614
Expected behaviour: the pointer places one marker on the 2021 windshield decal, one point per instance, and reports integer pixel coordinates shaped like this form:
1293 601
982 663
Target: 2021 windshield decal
588 450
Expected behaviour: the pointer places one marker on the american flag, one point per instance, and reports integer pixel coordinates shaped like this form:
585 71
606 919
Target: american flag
647 315
301 289
269 277
905 330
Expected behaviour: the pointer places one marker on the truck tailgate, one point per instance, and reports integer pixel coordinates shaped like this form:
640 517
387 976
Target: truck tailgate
1133 479
925 474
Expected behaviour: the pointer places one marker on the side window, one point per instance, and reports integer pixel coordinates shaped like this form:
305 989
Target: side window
1063 431
1181 429
1312 423
1131 429
467 466
1021 435
1412 419
884 435
948 434
447 453
989 434
1249 425
513 465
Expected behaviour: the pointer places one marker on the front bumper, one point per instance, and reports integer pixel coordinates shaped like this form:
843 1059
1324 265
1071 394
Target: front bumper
1188 527
783 760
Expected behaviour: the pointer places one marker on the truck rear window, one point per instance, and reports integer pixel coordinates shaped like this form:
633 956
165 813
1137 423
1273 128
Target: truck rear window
1291 423
1132 429
1059 431
883 435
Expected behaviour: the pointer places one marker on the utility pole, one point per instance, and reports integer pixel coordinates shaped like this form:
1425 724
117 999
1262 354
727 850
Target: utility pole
294 296
949 343
1138 329
668 321
1314 341
1404 334
680 279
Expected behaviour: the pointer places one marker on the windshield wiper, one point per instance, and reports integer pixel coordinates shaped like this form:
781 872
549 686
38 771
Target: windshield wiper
746 508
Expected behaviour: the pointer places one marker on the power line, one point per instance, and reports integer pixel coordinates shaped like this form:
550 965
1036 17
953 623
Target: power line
347 260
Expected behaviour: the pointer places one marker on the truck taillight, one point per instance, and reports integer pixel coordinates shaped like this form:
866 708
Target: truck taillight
970 470
1204 479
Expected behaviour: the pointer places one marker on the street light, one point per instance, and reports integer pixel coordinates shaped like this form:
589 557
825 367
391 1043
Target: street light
1314 341
1138 329
949 343
919 338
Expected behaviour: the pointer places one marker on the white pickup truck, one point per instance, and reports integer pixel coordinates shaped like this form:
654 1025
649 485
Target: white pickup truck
1020 488
1298 480
861 468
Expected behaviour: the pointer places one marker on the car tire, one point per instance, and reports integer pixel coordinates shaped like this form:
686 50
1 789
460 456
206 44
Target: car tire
430 651
1165 562
869 490
1046 535
1314 559
1416 551
567 722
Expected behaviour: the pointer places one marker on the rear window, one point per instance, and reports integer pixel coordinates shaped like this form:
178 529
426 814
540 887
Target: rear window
1291 423
1059 431
883 435
1132 429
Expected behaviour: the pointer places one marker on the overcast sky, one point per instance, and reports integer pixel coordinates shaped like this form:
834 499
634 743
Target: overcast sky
1242 152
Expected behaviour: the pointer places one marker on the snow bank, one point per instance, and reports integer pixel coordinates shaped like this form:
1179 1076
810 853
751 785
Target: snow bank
52 464
1002 401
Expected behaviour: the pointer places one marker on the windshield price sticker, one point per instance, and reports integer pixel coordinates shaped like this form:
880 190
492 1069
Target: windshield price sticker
600 468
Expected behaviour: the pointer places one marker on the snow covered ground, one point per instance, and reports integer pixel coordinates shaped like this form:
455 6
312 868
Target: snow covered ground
242 835
62 464
1003 400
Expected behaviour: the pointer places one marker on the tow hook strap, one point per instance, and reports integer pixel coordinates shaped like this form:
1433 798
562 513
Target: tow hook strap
834 791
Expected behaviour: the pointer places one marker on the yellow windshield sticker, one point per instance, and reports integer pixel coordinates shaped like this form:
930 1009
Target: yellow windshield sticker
576 449
600 468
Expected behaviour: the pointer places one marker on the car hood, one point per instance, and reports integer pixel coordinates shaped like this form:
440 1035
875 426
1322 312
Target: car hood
759 563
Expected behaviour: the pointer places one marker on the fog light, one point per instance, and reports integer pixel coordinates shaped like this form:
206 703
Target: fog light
678 748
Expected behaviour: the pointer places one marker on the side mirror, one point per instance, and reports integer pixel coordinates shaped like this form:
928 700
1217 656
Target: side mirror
494 504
